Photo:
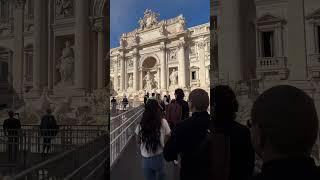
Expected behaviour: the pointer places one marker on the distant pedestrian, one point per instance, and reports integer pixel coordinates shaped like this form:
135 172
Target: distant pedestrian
48 130
125 102
179 94
11 127
152 134
114 104
146 97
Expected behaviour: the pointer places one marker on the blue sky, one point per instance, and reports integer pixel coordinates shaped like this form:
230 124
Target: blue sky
124 14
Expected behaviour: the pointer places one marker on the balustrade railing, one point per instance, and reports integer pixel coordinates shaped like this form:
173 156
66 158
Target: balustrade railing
314 61
271 63
121 134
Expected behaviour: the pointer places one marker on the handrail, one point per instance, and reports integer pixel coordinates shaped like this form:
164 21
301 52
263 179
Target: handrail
124 113
122 135
64 156
125 122
54 159
114 139
84 165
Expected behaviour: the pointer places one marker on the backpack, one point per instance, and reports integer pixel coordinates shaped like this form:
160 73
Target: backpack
174 113
214 154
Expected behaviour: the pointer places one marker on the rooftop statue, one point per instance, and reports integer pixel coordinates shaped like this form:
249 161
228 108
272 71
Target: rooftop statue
149 19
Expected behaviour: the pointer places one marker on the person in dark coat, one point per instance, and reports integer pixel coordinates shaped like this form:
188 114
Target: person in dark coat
48 129
224 108
11 127
284 126
188 135
179 94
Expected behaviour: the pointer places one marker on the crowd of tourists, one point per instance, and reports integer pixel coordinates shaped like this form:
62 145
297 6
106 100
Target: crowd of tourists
280 134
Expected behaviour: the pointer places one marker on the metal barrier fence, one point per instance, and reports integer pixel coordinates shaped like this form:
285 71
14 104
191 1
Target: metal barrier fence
120 135
117 120
32 140
85 162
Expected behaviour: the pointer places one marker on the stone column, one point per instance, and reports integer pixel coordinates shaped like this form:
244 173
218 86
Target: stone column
123 72
101 48
296 40
163 70
141 78
182 64
40 35
125 75
115 74
18 47
82 44
135 70
236 39
202 72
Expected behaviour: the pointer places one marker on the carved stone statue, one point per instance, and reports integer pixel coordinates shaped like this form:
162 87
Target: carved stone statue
173 77
123 42
64 8
142 23
130 81
156 79
65 65
181 24
162 29
149 81
149 19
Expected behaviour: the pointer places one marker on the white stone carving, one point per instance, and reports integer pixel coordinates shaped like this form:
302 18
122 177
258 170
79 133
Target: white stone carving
173 55
130 81
173 77
64 8
181 23
149 19
130 62
162 29
149 81
65 65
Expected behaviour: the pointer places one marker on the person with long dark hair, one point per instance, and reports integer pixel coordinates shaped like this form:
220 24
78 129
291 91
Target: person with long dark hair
152 134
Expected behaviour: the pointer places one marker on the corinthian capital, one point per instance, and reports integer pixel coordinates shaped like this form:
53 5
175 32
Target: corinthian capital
20 4
182 44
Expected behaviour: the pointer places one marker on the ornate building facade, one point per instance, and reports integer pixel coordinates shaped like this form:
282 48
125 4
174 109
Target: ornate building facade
160 56
53 46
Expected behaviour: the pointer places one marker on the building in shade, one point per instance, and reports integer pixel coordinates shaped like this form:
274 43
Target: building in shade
263 43
160 56
55 48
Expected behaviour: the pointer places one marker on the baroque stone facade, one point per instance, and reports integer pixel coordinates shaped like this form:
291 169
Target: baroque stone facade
54 48
160 56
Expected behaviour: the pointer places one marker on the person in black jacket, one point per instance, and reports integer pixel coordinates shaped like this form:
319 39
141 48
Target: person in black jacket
284 127
11 129
179 94
187 136
48 129
224 107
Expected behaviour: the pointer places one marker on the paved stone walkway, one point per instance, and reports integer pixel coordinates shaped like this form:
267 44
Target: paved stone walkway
128 167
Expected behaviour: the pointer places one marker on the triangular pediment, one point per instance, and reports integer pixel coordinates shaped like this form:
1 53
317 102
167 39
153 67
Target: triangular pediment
314 15
269 19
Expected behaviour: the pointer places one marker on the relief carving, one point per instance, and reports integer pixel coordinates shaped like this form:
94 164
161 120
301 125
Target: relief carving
173 55
64 8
